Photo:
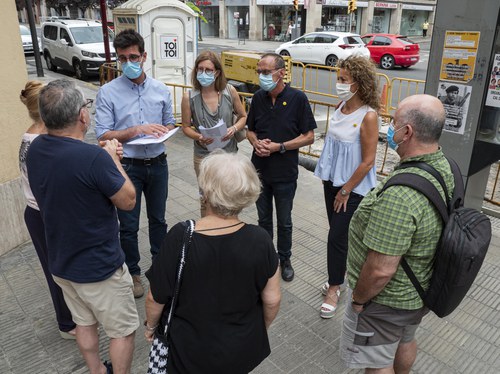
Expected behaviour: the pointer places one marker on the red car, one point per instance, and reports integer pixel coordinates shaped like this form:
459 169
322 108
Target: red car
391 49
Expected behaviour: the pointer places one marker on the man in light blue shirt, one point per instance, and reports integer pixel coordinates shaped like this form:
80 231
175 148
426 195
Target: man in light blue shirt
131 106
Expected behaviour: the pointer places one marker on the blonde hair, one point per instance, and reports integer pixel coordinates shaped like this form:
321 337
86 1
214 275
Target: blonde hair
228 182
29 97
364 73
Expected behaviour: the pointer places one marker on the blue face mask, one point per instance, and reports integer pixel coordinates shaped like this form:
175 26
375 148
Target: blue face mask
266 82
390 137
132 70
205 79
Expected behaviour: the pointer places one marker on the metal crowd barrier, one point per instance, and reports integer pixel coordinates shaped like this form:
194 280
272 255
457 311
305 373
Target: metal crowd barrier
305 78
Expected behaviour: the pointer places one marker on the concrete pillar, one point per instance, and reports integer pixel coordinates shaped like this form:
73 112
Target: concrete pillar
313 16
395 25
222 20
256 26
367 18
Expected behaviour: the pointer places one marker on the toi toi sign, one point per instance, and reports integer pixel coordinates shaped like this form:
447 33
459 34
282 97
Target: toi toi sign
170 47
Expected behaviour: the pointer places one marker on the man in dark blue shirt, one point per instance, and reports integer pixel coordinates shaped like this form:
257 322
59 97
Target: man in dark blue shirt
280 121
78 187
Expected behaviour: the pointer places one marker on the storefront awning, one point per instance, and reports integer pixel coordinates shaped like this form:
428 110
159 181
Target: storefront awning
343 3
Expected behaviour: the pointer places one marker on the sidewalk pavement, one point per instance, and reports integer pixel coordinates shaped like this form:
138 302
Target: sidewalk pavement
301 342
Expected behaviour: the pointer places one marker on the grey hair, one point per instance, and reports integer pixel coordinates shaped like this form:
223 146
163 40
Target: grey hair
60 104
427 126
228 182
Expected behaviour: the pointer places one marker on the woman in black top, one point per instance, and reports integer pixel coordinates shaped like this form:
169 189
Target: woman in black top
230 291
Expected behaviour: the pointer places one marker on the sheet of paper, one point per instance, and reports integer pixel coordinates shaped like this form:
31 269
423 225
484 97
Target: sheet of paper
152 140
216 133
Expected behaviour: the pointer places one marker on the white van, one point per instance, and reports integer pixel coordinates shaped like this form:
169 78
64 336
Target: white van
75 45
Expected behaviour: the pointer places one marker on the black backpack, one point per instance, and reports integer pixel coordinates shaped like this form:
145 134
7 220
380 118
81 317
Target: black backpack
463 244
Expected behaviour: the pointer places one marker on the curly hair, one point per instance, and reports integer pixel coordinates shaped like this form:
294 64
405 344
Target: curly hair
220 80
29 97
363 72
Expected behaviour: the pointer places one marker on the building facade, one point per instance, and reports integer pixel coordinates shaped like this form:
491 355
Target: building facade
269 19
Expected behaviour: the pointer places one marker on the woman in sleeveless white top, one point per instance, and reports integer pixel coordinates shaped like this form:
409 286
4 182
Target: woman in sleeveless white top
347 164
206 104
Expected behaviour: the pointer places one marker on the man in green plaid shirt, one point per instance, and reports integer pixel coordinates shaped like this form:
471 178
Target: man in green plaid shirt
384 309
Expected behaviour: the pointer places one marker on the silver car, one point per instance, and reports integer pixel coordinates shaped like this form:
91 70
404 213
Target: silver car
26 40
324 47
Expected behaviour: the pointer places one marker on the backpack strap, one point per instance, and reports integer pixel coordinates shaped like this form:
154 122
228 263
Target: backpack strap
458 197
422 185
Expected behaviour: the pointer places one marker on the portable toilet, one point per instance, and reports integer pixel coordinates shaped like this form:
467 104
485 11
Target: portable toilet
169 29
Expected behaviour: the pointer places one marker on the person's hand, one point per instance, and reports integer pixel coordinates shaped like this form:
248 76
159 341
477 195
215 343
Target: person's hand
230 133
119 150
340 202
261 147
153 129
205 141
149 335
357 308
112 147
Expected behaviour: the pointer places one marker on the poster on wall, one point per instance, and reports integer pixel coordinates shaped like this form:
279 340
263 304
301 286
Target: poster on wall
459 55
493 95
456 100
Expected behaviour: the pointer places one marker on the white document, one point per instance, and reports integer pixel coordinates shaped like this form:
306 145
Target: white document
152 140
216 133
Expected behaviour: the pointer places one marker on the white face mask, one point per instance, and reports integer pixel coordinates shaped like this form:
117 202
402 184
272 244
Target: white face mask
344 91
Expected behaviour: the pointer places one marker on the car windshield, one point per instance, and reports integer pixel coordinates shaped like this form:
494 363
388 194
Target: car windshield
405 40
86 35
24 30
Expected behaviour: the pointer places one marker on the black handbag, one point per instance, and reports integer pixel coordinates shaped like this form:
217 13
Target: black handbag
158 355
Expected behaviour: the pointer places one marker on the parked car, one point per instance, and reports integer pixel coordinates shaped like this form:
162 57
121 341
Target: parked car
75 45
27 41
325 47
389 50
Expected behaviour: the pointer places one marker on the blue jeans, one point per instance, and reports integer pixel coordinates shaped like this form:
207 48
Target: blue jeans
283 194
153 181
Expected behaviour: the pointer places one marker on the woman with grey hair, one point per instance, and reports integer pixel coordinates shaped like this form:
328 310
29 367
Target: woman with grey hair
230 289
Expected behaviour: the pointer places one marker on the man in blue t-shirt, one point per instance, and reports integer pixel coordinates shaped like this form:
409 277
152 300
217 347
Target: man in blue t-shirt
280 121
78 187
131 106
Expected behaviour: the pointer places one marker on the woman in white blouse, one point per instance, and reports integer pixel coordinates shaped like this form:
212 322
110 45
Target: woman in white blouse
347 164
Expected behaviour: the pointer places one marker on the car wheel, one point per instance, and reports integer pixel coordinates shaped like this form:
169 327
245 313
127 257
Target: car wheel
331 60
49 62
284 53
387 62
79 70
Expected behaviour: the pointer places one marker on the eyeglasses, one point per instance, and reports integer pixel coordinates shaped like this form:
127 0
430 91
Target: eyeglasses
88 104
132 58
206 71
267 72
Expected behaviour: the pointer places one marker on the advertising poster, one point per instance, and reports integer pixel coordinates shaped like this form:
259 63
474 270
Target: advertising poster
456 100
493 95
459 55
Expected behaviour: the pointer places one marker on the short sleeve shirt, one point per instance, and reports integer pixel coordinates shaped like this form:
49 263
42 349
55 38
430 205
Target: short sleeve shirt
289 117
72 182
399 222
218 324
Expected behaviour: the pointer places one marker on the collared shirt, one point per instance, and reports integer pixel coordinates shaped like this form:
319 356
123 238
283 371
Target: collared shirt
289 117
121 104
399 222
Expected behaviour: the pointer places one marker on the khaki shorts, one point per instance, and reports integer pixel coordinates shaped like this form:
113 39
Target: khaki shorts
109 302
369 339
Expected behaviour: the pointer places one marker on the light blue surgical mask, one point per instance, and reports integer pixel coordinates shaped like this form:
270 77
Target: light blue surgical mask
266 82
132 70
205 79
390 137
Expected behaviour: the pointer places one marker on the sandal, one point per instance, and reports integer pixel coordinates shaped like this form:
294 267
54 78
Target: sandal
327 310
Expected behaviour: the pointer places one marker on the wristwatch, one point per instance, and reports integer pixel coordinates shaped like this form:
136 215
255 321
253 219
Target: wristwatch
354 302
282 148
344 192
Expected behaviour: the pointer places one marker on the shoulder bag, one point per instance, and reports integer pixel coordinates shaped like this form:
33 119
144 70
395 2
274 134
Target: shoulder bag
158 355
